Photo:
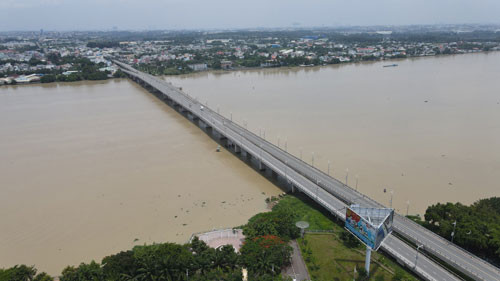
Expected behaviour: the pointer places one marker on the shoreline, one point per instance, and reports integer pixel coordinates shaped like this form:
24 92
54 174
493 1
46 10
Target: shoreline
286 67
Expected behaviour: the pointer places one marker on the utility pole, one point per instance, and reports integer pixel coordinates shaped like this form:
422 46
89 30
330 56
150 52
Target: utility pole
453 232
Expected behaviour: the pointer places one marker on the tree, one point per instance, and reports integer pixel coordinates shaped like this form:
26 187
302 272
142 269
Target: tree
279 222
87 272
477 226
48 78
43 277
265 254
120 266
18 273
168 261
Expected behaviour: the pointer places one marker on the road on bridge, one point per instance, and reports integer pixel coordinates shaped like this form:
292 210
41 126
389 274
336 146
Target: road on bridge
331 193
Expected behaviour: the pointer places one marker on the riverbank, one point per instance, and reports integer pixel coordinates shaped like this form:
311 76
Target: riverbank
286 67
110 167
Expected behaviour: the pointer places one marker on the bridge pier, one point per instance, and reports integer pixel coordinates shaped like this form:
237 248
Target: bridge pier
237 149
262 167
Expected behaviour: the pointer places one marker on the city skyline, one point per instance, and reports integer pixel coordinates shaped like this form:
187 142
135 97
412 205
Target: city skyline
64 15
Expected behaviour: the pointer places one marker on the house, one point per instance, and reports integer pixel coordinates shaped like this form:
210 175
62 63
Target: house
225 64
198 66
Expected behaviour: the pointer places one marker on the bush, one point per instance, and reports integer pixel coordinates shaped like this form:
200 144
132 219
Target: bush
48 78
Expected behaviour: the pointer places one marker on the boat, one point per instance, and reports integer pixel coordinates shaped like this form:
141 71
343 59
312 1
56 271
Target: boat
391 65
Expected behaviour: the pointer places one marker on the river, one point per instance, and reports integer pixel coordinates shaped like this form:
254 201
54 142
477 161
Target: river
427 131
93 168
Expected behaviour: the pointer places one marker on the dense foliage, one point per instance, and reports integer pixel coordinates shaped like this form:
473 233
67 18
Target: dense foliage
280 222
23 273
265 255
477 226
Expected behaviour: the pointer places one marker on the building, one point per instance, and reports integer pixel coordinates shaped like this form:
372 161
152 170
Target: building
225 64
198 66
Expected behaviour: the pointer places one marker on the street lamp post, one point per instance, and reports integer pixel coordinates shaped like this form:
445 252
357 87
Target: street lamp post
346 176
416 256
453 232
392 193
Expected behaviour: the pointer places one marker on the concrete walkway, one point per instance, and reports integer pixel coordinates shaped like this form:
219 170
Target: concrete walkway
297 269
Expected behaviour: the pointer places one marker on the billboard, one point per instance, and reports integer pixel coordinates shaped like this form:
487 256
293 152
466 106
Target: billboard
363 226
384 229
360 228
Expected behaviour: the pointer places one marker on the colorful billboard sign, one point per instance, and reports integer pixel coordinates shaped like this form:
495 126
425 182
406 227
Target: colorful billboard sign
360 228
371 235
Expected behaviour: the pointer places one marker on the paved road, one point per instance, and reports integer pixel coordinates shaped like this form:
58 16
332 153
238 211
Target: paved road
297 269
331 193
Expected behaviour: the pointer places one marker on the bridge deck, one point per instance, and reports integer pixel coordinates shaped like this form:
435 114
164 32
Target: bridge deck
331 193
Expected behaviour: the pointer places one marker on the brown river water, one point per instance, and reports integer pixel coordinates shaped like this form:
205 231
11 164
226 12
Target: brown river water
428 130
88 168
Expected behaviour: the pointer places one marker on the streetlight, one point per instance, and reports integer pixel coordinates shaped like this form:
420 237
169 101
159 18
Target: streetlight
416 256
346 175
392 193
453 232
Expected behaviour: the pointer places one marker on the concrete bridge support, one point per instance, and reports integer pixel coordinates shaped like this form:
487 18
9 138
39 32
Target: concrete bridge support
262 167
237 148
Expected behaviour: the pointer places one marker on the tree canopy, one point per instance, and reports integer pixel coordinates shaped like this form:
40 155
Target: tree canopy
477 226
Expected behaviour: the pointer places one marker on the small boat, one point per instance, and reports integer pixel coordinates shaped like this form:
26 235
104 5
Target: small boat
391 65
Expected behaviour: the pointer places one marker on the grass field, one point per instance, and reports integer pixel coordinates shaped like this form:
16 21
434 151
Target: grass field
327 257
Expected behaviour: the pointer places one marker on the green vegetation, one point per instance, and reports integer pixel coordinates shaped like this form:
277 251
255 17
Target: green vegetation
329 258
280 222
334 255
265 255
477 226
23 273
304 209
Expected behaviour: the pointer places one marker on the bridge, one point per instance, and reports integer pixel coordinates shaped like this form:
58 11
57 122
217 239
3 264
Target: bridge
327 191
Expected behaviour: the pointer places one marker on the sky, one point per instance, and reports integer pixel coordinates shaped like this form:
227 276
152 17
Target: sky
16 15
